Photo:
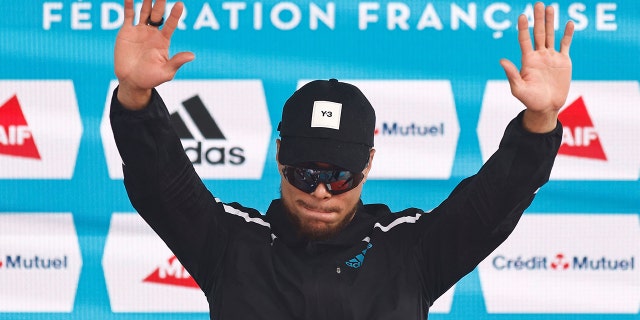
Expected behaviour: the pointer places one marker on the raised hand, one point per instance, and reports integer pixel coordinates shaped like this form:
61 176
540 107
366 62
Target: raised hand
542 84
141 56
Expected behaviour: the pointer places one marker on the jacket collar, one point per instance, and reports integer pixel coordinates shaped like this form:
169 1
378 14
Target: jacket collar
359 227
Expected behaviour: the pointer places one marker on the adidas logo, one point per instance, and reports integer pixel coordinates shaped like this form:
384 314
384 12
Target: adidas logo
208 129
580 138
15 135
223 126
172 273
201 118
358 260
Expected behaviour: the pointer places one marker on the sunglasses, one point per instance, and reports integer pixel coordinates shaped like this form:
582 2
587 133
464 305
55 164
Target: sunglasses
336 181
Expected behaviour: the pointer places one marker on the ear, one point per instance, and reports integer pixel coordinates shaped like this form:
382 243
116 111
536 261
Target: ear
366 170
280 167
277 150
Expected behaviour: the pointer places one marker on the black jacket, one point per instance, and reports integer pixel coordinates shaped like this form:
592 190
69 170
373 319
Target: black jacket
383 265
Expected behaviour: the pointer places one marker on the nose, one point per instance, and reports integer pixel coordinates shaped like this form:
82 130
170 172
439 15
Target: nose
321 192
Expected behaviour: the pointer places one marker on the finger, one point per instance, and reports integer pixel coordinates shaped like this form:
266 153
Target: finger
145 11
565 43
538 25
513 75
128 12
549 27
157 12
172 22
179 60
523 35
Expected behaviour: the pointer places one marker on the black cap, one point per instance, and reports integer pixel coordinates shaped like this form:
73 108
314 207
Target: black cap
327 121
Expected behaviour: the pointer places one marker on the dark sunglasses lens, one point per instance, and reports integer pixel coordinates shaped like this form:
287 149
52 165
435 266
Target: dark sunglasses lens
343 181
336 181
300 178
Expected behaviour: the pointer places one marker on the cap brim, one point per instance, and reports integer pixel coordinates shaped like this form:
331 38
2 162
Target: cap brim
351 156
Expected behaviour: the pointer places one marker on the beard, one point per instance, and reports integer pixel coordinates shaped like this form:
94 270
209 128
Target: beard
313 230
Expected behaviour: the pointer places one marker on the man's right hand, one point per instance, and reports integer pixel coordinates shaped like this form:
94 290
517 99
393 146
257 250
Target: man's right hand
141 55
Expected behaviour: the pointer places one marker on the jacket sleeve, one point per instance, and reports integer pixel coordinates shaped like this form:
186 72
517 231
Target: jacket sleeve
164 188
484 209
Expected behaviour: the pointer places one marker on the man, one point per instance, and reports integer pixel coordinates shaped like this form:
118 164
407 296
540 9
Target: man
319 252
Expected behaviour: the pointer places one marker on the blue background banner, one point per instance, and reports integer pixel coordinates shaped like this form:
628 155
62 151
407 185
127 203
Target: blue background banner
280 43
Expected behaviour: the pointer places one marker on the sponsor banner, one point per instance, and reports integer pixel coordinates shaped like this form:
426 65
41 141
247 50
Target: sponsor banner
444 302
36 273
224 126
564 263
416 128
600 121
40 129
406 16
154 281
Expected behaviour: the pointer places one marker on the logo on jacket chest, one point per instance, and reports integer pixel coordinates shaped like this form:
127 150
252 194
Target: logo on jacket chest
358 260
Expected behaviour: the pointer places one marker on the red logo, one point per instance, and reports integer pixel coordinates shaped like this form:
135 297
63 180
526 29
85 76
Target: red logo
15 135
579 138
559 263
172 273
